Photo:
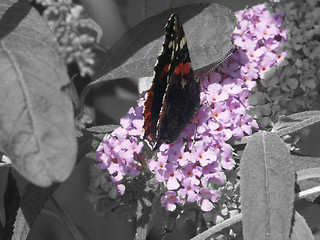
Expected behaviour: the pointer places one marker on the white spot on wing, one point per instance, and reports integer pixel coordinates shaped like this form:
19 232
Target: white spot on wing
182 42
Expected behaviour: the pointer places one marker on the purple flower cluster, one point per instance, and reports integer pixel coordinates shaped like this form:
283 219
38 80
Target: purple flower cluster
191 168
260 35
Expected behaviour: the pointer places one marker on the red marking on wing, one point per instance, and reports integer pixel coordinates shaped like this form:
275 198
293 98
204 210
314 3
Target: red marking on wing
147 114
164 71
150 121
182 69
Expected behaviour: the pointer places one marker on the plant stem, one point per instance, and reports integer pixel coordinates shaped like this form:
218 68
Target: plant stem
310 191
67 220
219 227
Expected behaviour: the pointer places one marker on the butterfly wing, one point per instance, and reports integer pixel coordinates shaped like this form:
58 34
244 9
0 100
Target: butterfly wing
179 106
179 94
155 95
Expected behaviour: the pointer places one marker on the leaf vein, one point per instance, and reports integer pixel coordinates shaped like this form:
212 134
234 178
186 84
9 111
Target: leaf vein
266 185
24 91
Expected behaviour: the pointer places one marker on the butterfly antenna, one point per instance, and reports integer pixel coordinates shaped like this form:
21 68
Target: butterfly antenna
194 137
206 102
232 51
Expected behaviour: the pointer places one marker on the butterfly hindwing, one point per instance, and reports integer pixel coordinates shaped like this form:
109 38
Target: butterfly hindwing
179 106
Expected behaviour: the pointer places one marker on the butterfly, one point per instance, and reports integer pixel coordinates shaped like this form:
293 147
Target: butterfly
174 96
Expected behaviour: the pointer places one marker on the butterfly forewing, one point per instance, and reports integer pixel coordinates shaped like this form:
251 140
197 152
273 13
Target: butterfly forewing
155 95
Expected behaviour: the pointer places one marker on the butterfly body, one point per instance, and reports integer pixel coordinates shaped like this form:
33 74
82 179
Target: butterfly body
174 96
